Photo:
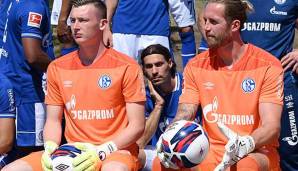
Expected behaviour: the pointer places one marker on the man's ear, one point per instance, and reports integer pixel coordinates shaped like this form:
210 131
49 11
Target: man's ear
144 72
235 25
171 63
103 24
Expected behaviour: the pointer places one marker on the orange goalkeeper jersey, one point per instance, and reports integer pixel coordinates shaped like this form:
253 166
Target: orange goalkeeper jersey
94 96
232 96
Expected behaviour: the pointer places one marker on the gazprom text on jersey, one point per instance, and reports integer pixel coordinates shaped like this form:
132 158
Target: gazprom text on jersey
261 26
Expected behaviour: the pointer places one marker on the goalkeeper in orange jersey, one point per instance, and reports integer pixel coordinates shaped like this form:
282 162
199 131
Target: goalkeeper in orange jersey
102 95
240 89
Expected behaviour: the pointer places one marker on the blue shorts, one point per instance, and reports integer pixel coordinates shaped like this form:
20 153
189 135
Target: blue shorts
30 123
203 45
7 99
288 136
8 158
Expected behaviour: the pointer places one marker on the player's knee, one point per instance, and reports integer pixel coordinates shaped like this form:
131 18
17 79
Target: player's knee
157 166
253 163
18 165
114 166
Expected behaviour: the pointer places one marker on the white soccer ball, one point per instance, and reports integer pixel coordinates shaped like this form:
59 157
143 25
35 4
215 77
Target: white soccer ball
185 144
62 157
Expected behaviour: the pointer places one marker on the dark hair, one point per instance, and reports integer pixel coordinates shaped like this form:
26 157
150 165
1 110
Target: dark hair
100 5
235 9
159 49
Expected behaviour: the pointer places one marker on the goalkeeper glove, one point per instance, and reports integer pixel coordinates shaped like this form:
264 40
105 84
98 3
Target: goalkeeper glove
236 148
46 161
92 154
164 159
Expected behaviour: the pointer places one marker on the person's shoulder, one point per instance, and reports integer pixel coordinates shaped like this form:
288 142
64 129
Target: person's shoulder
29 4
262 57
120 58
36 8
201 60
64 60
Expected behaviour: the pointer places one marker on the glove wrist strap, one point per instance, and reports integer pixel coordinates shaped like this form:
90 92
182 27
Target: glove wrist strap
105 149
251 144
111 146
50 146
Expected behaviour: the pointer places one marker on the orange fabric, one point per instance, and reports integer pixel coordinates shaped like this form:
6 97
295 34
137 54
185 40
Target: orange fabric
131 160
34 160
157 166
246 164
94 96
232 95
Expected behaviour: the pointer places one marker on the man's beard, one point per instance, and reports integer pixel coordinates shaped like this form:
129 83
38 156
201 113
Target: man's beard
218 41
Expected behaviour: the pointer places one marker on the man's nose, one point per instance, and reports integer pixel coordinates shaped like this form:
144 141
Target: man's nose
207 26
76 25
154 70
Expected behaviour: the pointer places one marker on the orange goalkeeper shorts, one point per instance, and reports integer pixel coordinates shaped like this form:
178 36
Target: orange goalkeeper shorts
129 159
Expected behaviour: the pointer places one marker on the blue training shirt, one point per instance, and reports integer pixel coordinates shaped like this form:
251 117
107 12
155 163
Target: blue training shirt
142 17
25 19
7 102
272 26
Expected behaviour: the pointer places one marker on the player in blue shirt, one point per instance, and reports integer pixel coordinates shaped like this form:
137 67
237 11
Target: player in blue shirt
27 50
138 24
7 121
272 27
163 91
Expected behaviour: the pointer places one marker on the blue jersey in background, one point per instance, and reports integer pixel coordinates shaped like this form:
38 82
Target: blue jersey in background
25 19
142 17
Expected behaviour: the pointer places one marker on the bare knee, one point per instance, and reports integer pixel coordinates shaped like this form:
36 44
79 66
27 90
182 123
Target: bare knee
115 166
254 162
18 165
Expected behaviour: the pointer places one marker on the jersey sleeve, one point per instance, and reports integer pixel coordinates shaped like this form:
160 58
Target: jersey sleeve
133 84
53 94
33 18
190 90
7 100
272 88
183 12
